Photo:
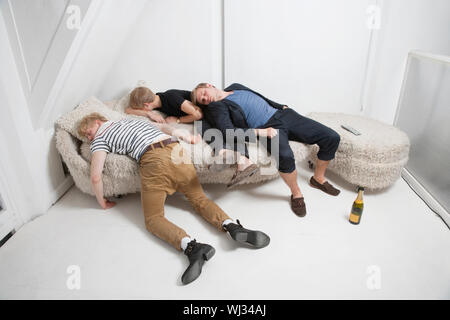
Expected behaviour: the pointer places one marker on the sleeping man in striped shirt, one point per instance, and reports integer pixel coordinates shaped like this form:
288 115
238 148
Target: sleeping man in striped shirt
164 168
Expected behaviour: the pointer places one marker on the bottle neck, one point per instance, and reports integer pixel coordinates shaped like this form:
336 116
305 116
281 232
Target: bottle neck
360 196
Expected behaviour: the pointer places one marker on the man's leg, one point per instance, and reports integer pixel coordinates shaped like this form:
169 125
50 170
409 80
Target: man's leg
306 130
286 167
291 180
191 188
319 171
153 206
158 169
211 212
285 160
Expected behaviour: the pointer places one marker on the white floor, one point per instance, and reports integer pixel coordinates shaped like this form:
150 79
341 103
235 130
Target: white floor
401 249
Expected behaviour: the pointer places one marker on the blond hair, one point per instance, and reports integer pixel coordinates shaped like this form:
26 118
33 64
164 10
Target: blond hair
139 96
87 121
193 96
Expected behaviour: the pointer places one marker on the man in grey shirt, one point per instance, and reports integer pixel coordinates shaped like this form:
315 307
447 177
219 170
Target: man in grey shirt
238 107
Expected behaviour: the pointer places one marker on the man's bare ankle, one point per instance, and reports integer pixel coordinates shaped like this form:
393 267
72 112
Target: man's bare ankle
297 195
243 163
243 166
320 180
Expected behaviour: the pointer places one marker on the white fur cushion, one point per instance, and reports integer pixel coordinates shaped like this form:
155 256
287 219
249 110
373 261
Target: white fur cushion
70 121
373 159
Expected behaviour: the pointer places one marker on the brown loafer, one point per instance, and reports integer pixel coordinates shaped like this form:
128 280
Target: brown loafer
298 206
325 187
241 175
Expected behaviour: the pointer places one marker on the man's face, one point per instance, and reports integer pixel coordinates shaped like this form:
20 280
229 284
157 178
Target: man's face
91 131
206 95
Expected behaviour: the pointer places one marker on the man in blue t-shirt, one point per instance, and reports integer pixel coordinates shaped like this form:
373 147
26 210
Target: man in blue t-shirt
238 107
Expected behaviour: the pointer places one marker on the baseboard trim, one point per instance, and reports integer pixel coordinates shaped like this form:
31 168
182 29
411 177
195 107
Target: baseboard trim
62 189
6 237
426 196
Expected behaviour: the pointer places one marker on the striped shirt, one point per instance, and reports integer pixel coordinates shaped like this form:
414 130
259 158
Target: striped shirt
127 136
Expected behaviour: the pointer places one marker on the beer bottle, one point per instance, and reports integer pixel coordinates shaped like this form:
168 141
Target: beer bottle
357 208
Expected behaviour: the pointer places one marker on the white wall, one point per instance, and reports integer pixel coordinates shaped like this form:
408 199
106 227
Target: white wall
30 169
31 18
40 40
34 46
102 39
174 44
405 25
307 54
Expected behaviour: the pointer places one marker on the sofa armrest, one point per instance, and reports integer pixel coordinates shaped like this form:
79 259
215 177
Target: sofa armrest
68 147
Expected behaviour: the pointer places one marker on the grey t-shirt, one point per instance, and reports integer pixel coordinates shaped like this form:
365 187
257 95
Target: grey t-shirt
257 111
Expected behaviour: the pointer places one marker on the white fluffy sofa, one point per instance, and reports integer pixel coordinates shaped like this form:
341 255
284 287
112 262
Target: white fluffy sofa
121 174
373 160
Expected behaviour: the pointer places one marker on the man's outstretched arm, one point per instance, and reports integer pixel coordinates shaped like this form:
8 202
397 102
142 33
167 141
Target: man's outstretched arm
97 162
193 113
179 133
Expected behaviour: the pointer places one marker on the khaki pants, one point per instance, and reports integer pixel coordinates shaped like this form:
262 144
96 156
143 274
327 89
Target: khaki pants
162 175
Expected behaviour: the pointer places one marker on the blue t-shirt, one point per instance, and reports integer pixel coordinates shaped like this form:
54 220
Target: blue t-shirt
257 111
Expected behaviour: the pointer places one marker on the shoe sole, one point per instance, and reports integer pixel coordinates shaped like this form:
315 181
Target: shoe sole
253 238
301 215
196 269
232 184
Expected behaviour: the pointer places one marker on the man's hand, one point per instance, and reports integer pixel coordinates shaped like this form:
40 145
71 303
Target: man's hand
193 139
171 119
268 132
189 138
106 204
186 136
285 107
155 117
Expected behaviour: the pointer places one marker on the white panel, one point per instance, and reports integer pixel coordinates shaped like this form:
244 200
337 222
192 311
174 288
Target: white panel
174 44
405 25
36 22
424 115
310 55
30 174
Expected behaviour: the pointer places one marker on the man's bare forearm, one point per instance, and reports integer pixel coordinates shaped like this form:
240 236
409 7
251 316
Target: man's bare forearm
165 128
188 119
137 112
97 187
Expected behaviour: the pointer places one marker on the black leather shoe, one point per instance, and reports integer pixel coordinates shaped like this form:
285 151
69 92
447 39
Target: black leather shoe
197 253
253 238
